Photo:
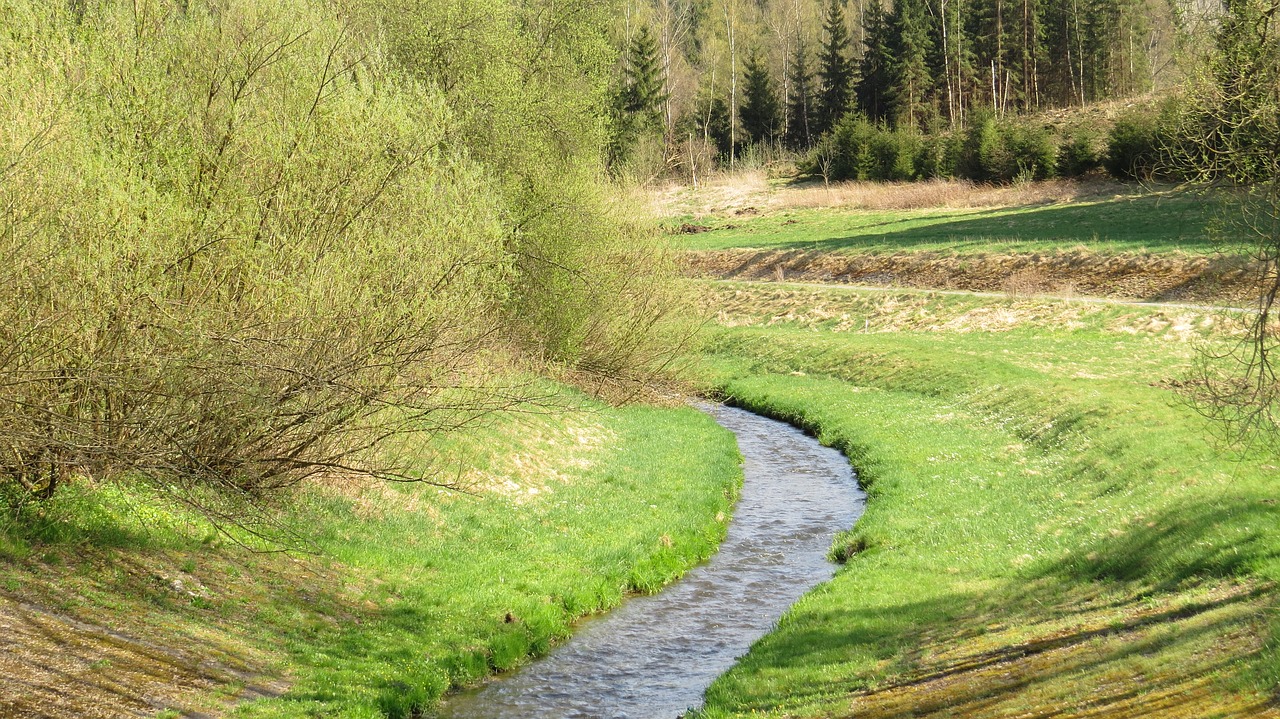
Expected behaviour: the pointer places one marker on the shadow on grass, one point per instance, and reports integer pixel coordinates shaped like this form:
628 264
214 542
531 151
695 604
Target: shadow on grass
1159 618
1180 547
1152 223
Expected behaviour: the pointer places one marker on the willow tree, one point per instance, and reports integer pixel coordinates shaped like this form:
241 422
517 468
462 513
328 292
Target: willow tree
1228 140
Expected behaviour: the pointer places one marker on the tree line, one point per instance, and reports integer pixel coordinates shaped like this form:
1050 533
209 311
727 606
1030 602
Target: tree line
732 74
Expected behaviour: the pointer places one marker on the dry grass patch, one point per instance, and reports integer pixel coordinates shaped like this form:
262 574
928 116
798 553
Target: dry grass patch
1163 278
741 304
746 193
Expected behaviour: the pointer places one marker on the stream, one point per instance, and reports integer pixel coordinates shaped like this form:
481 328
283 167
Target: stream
654 656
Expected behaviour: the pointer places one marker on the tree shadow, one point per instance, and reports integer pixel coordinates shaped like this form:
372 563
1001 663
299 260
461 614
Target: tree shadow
1129 625
1120 223
1179 546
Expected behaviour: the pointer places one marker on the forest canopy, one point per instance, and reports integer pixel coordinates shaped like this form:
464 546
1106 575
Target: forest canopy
923 66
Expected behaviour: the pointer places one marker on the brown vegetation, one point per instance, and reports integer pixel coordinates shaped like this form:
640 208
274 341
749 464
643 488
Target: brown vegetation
1156 278
753 192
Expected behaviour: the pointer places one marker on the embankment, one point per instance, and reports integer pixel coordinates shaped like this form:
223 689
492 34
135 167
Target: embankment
1167 277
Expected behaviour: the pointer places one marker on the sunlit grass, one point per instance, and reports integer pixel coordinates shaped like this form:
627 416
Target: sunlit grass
1049 527
413 588
1152 223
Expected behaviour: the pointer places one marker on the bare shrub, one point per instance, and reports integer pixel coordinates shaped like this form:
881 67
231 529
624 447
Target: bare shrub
1025 283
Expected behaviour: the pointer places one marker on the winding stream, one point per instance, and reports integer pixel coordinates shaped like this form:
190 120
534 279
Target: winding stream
654 656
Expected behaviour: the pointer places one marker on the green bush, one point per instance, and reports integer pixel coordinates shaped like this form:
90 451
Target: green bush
982 153
1031 152
1079 154
246 243
1133 146
900 149
860 150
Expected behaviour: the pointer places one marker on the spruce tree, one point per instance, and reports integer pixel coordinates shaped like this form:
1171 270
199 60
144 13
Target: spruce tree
876 78
912 78
642 93
760 112
800 105
836 71
637 102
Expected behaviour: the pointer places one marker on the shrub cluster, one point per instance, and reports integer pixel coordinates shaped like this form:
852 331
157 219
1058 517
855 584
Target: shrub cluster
242 243
986 151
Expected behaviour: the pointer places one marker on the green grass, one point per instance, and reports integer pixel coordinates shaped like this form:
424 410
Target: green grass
1038 502
416 589
1150 223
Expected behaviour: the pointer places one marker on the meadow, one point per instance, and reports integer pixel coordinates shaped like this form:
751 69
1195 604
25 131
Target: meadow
1051 530
1123 223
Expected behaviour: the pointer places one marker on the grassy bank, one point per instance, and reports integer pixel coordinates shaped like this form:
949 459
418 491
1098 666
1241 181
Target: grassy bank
1050 531
412 589
1113 225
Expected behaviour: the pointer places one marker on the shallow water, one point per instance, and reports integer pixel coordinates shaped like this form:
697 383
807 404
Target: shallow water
653 657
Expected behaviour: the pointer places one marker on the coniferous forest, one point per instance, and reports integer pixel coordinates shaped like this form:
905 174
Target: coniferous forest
720 79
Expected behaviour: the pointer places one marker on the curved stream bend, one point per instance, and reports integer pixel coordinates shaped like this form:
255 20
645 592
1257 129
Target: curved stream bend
654 656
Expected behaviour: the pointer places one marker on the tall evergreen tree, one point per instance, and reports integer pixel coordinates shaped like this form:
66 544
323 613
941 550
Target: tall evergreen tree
877 61
836 71
760 112
637 102
800 104
642 94
912 76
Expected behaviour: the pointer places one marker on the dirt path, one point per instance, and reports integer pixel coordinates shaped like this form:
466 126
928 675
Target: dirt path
827 286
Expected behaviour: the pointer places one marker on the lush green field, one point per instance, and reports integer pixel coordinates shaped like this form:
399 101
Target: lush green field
1143 223
1050 530
414 588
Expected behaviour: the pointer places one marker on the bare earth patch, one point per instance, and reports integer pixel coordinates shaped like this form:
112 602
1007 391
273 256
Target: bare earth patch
1154 278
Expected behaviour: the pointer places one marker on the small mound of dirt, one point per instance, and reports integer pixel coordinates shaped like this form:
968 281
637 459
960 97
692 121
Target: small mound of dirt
688 229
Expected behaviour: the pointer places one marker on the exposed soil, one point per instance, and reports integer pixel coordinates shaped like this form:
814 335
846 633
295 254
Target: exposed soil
57 666
1150 278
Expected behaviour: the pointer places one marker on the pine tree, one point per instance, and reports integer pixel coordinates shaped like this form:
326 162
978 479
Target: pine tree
912 78
877 60
836 71
800 104
760 114
642 94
